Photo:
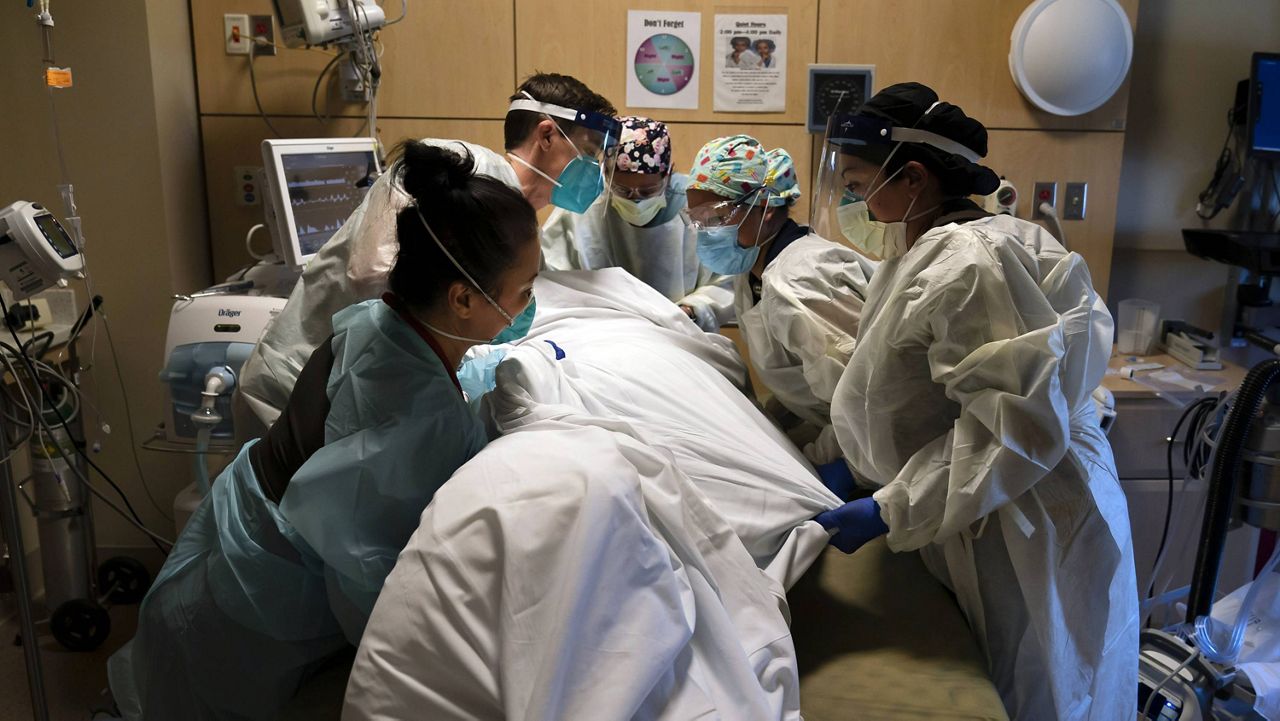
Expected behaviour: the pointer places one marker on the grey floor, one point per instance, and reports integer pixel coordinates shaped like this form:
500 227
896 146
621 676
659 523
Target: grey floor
74 682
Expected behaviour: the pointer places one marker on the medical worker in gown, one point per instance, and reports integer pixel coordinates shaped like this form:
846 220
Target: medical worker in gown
637 226
797 296
555 125
280 566
966 408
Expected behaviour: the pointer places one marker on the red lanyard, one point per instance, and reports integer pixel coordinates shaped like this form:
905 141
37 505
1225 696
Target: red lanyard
399 307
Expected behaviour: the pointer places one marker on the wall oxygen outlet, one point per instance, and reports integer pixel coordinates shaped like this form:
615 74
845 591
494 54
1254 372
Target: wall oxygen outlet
263 27
235 30
1044 192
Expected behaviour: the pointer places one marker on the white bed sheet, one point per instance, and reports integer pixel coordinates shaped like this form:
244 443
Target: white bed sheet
621 552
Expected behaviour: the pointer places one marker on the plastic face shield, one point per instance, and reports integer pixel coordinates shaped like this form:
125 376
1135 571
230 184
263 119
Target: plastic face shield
594 134
847 132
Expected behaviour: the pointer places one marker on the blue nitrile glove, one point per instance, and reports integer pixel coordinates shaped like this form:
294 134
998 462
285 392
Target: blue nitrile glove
837 477
855 523
479 375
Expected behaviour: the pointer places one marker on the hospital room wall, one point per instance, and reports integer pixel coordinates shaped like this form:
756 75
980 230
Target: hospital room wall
448 73
131 139
1188 56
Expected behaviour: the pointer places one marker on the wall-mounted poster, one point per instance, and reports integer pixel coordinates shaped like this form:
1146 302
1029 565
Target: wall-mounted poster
750 63
662 59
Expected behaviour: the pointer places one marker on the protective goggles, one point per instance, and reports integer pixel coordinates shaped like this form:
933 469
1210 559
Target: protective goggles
720 213
847 131
602 130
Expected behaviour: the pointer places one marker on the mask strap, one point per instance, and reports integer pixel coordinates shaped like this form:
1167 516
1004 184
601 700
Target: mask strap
461 338
447 254
529 165
763 209
888 179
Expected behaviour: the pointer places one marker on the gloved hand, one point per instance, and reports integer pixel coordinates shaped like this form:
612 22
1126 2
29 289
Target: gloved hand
478 374
855 523
837 477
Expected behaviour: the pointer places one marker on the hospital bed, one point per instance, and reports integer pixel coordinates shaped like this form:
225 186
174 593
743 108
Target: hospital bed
625 427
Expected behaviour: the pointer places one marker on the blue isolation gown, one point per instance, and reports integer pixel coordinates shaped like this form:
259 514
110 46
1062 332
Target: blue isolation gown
255 596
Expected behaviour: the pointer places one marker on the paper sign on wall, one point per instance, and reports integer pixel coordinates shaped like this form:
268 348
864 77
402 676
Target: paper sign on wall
750 63
662 59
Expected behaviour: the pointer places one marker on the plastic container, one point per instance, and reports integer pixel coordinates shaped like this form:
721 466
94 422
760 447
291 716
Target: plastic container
1137 326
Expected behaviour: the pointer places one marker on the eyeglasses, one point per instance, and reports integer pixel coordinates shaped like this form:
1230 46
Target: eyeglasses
641 193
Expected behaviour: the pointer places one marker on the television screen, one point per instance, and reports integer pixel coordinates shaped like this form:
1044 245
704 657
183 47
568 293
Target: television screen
1264 105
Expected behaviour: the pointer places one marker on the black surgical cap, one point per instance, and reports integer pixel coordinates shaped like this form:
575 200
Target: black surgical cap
907 105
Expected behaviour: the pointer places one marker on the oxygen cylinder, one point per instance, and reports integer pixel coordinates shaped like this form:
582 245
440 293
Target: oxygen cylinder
60 518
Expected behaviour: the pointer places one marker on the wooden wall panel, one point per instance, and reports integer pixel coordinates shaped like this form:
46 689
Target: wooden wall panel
439 63
1025 157
233 141
960 48
588 38
461 60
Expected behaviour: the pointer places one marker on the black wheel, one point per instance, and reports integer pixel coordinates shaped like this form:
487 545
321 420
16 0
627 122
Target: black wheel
80 625
124 580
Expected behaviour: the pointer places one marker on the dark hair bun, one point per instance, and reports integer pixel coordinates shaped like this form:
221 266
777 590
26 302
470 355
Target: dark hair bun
912 105
430 171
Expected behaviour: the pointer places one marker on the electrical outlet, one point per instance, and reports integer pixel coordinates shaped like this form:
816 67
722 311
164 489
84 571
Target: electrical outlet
248 188
1045 192
263 27
1073 202
235 30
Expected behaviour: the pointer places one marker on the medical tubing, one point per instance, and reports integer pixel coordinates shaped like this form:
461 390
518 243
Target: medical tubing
202 468
1196 411
1204 624
1222 485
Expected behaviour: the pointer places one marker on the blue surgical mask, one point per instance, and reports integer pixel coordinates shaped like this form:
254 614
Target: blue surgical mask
718 249
579 183
519 327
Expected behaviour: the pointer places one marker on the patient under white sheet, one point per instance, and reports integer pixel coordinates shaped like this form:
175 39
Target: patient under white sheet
621 552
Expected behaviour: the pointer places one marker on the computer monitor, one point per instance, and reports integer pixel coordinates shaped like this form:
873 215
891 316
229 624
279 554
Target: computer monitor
1264 106
313 185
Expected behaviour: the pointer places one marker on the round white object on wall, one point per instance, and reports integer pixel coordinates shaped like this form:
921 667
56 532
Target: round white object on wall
1068 57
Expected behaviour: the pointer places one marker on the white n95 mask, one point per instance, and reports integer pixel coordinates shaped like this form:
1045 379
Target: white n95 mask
639 212
878 239
881 241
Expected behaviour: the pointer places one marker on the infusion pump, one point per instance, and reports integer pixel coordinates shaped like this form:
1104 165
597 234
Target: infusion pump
36 252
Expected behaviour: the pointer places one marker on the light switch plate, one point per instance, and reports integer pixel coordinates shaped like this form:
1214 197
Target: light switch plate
235 31
1074 201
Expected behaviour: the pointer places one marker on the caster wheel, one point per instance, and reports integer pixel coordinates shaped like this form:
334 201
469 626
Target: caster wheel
80 625
124 579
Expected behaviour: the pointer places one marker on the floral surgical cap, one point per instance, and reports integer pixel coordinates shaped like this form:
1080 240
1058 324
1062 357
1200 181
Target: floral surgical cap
643 146
738 165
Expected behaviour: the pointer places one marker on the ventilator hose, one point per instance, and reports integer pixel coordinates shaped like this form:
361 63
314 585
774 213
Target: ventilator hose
1222 485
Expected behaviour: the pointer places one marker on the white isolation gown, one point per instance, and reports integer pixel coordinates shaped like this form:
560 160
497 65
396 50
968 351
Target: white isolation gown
967 403
802 331
662 254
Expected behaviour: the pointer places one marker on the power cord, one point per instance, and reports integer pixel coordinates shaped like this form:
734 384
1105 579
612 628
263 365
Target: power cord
253 82
132 515
1195 456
